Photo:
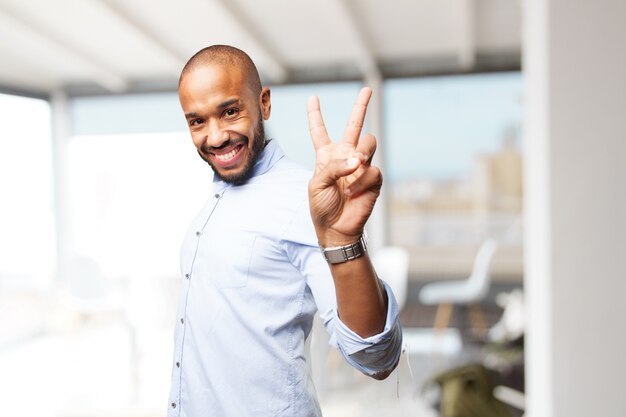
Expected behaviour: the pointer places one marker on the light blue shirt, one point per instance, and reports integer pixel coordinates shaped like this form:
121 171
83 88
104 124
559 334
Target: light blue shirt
253 279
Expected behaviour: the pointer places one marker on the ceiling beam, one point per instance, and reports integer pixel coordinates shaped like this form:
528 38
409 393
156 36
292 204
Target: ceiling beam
467 34
275 68
97 71
22 76
177 58
366 62
12 91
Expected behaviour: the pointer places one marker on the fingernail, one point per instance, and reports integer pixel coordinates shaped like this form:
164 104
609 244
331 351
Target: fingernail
352 162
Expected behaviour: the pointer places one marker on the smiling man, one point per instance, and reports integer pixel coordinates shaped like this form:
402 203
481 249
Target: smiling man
264 255
231 152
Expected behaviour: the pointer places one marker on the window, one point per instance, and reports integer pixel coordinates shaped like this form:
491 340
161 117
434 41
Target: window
133 197
27 246
454 163
288 122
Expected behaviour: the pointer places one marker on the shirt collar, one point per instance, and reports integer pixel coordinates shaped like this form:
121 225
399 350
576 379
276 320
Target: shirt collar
270 155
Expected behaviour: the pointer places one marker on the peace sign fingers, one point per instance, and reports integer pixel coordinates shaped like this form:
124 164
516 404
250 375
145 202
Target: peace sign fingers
357 117
317 128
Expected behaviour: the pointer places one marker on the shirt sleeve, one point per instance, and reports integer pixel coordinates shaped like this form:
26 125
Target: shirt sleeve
372 355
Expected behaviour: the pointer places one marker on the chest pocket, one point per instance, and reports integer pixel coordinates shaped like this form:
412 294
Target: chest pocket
229 257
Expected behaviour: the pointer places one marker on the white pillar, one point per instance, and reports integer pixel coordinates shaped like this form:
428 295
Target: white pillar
60 137
575 175
377 226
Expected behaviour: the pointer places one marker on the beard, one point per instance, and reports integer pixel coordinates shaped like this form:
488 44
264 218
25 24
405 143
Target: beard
244 175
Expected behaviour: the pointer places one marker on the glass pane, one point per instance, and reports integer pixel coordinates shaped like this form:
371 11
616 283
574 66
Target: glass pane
454 169
288 122
26 189
132 198
27 247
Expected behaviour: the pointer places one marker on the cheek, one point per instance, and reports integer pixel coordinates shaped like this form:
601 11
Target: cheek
250 134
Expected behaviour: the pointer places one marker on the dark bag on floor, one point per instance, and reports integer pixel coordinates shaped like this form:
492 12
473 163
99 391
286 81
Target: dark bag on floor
468 392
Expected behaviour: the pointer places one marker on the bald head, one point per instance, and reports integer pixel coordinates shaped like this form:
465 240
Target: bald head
228 56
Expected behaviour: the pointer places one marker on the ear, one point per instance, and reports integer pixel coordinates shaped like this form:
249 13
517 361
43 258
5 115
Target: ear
266 103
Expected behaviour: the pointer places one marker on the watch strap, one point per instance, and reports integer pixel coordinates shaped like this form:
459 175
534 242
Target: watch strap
341 254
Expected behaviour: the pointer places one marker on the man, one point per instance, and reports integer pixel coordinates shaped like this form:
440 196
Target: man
254 272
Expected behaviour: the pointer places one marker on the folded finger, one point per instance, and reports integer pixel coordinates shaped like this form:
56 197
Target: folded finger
367 146
370 180
333 171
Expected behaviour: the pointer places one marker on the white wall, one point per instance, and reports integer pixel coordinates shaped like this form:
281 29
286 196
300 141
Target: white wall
575 69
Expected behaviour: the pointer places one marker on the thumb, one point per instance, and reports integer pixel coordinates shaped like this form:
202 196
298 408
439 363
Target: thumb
336 169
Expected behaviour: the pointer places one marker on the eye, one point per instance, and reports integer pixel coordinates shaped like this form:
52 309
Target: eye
195 122
229 113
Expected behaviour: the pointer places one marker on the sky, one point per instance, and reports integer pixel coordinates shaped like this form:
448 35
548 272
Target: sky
435 126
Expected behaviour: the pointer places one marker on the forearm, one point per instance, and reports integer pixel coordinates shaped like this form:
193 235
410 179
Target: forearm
342 195
361 300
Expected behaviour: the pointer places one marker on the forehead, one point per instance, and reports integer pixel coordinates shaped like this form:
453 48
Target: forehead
211 84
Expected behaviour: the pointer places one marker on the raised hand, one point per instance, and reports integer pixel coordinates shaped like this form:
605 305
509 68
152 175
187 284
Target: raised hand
344 186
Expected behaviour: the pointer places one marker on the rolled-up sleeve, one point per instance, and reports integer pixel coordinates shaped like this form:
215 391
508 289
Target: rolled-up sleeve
371 355
374 354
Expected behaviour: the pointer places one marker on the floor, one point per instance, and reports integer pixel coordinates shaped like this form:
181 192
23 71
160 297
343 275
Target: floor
89 374
348 394
88 370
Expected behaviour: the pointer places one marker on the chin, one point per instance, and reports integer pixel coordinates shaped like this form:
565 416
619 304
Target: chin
239 177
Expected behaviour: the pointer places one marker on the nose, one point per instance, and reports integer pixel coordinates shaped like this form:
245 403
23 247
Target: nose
215 135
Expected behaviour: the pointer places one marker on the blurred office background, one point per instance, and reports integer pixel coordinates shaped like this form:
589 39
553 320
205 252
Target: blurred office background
502 142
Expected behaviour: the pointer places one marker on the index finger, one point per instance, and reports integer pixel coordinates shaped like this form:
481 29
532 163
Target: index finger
357 117
317 128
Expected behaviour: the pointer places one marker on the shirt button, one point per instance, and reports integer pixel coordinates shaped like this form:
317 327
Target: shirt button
187 276
178 364
182 321
217 196
173 405
198 233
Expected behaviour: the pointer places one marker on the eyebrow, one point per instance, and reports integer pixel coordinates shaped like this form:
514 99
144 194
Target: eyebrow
228 103
222 105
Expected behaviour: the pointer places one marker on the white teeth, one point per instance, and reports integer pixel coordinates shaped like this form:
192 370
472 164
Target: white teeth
226 156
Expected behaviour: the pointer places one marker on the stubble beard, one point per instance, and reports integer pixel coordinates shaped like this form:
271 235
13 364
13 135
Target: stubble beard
245 174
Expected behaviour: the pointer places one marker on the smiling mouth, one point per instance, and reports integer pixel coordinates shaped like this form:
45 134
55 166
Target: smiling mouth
228 158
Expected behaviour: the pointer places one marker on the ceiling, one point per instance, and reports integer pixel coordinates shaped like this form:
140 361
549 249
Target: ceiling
117 46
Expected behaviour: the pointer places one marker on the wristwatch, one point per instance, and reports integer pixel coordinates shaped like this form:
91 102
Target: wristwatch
341 254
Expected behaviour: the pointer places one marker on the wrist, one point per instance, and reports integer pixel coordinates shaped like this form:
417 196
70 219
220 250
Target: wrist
327 238
344 253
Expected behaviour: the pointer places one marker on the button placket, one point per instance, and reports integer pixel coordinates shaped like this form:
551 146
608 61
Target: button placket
178 359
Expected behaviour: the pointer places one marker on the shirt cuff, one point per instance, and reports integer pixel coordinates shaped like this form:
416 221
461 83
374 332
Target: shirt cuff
350 342
376 353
